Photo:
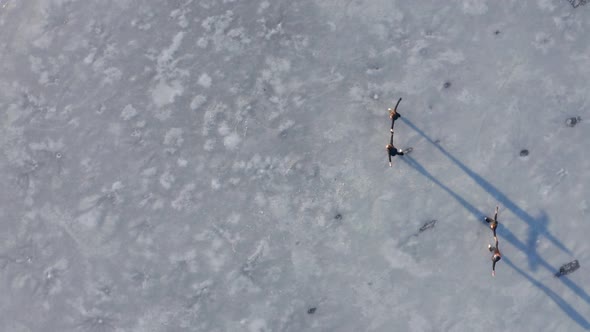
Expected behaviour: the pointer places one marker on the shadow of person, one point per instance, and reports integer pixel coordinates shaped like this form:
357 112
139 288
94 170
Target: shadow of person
533 236
496 193
563 305
537 226
507 235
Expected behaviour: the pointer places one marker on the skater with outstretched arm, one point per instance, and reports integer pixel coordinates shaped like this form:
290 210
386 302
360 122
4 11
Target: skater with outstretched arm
496 256
493 222
392 151
393 114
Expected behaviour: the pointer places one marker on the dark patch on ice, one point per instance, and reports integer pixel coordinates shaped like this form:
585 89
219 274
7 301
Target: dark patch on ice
447 85
428 225
577 3
374 67
497 32
338 216
524 152
297 243
106 290
311 310
571 122
423 51
568 268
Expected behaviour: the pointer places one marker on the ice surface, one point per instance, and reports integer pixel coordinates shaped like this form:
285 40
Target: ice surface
219 165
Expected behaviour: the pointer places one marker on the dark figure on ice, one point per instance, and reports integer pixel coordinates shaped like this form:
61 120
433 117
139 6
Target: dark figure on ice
392 151
493 222
393 114
496 256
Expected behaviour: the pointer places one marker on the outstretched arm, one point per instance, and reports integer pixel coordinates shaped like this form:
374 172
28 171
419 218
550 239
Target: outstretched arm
496 214
393 114
395 109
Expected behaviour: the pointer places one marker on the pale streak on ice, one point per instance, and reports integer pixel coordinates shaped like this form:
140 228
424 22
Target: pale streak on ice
165 92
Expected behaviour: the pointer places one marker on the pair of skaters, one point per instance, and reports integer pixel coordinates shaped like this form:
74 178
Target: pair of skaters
496 255
392 151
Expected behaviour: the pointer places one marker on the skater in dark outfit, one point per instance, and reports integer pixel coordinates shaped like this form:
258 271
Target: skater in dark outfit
496 256
393 114
392 151
493 222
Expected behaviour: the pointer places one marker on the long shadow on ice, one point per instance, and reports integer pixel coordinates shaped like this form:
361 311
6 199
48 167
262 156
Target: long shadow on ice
537 226
507 235
568 309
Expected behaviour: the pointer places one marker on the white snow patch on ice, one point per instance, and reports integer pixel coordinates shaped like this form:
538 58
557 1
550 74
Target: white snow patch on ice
181 162
166 56
164 94
167 179
258 325
263 6
231 141
205 80
112 75
128 112
209 144
185 197
474 7
202 42
223 128
197 102
173 137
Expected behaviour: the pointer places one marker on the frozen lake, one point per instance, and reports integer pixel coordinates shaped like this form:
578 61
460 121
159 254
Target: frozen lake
220 165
